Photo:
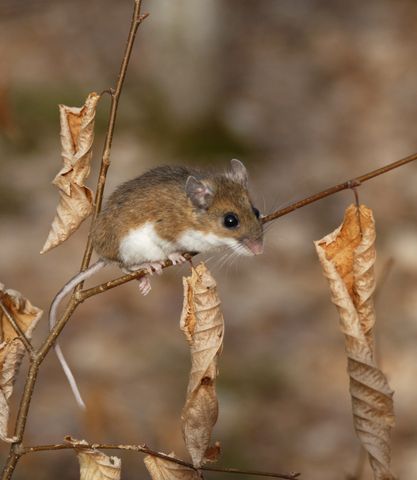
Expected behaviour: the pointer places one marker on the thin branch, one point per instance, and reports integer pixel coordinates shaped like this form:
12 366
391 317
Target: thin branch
84 294
18 330
355 182
258 473
145 449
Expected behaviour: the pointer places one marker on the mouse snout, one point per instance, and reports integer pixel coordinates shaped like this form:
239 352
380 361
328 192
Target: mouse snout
255 246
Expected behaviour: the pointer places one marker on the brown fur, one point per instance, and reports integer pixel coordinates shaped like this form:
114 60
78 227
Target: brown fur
159 196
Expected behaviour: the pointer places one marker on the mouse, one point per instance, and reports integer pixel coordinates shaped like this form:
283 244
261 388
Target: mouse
162 214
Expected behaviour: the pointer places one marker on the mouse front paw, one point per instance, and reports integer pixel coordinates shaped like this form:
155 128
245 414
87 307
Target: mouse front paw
177 258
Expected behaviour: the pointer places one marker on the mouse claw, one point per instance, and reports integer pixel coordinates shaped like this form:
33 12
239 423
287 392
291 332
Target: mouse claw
149 267
144 285
154 267
177 258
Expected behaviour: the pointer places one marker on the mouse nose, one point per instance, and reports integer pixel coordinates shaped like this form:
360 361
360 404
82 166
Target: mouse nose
255 246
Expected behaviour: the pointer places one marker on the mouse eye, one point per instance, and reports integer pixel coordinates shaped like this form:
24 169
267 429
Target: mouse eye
256 212
230 220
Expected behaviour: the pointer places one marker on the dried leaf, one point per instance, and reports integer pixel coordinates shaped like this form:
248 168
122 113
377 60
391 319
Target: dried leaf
11 347
95 465
76 202
161 469
203 325
347 256
212 454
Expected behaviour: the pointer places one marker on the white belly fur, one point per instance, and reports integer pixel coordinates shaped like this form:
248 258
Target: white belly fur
143 244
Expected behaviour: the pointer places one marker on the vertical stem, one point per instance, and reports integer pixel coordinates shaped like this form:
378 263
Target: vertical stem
25 401
14 453
11 463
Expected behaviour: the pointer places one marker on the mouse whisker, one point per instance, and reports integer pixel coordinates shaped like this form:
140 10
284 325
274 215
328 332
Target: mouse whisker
217 261
225 258
232 259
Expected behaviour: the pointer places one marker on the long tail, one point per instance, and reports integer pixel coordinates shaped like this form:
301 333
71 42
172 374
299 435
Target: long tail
68 287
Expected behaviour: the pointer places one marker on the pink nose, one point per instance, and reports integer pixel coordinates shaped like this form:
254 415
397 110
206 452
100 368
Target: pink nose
255 246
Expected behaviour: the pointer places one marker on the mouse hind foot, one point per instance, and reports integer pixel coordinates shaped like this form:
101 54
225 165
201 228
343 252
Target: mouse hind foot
144 285
150 268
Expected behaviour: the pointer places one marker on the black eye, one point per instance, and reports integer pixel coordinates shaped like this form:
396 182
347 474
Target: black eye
231 220
256 212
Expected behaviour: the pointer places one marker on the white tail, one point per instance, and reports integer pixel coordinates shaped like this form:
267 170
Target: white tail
80 277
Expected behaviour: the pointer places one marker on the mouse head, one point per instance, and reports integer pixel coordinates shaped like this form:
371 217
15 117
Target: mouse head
224 212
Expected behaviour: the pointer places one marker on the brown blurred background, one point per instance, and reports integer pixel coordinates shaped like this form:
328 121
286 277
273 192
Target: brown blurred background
307 93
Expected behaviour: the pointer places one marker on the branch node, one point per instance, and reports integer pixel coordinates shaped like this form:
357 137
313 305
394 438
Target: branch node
353 183
18 448
78 297
143 17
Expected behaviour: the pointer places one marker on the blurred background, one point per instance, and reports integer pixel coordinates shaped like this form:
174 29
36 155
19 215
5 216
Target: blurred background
307 93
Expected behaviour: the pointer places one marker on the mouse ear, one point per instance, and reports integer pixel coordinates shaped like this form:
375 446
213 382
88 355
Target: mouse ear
238 173
200 194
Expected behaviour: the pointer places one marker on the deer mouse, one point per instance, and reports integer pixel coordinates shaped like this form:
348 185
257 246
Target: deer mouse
162 214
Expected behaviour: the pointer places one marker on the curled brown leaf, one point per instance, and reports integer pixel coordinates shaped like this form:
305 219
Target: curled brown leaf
76 200
347 256
12 350
203 325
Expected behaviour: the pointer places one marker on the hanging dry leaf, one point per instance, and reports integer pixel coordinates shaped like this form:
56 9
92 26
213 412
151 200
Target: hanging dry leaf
203 325
95 465
161 469
11 347
347 256
76 202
